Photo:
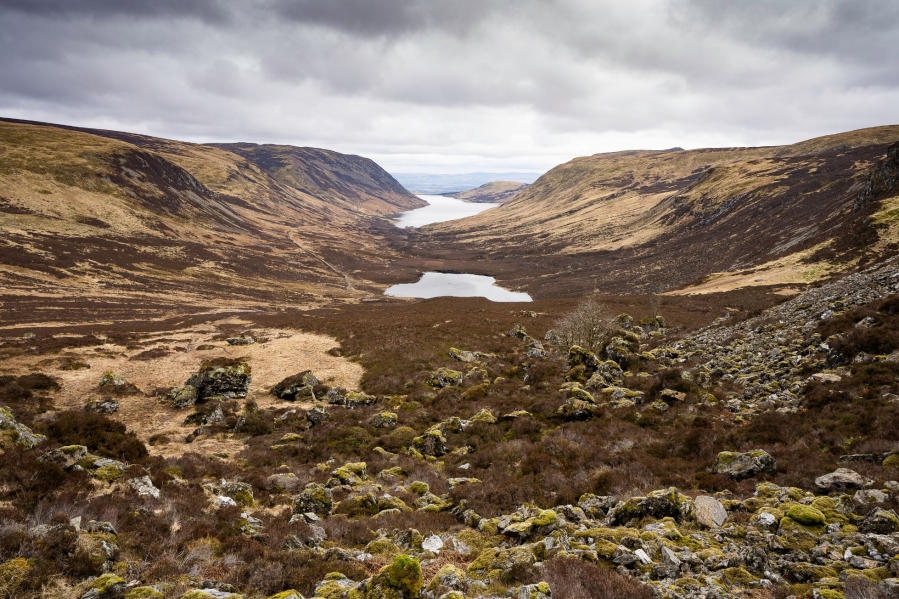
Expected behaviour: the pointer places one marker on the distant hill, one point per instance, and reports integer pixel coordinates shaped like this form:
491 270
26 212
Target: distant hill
427 183
358 181
496 192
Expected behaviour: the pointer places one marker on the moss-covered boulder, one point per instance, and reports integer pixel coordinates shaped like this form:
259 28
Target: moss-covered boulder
144 593
107 586
402 577
492 562
316 499
578 356
430 443
419 487
384 420
806 515
484 415
445 377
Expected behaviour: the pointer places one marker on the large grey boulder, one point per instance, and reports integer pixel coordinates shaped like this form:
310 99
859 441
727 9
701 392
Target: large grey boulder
842 480
745 465
709 511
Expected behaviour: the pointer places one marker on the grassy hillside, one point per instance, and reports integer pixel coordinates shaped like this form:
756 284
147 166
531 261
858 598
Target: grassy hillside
656 221
117 216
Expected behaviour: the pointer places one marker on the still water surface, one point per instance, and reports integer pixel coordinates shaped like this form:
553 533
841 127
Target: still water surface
438 210
438 284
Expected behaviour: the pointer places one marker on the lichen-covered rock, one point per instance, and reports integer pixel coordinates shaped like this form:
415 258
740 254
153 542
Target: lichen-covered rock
183 398
352 473
444 377
353 399
492 562
102 406
19 433
316 499
333 586
880 521
241 493
228 379
66 457
144 487
575 409
578 356
296 387
288 594
107 586
106 469
842 480
240 340
607 374
745 465
418 487
484 415
318 414
283 481
384 420
449 576
112 380
431 443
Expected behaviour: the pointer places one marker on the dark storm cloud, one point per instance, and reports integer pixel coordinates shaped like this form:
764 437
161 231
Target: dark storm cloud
385 17
461 83
210 10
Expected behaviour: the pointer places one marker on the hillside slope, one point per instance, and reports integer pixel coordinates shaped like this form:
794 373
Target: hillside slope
353 180
655 221
111 216
497 192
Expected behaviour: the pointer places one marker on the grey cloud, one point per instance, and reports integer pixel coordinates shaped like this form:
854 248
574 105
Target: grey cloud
211 10
386 17
484 81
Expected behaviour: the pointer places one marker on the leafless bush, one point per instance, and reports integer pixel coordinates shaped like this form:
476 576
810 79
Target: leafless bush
862 588
586 326
577 579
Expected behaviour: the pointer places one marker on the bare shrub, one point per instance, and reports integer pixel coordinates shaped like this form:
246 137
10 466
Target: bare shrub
586 326
862 588
577 579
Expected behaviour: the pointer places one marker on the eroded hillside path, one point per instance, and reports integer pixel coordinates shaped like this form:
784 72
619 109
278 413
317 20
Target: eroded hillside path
346 278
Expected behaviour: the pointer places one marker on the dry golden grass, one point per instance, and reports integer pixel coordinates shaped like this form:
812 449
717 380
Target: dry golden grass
286 353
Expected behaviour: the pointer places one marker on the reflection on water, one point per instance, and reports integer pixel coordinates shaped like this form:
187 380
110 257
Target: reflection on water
438 284
439 209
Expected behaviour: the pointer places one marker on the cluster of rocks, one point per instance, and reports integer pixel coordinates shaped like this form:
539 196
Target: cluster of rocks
766 355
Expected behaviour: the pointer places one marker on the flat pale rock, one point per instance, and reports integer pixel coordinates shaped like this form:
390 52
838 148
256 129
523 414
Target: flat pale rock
842 480
709 511
822 377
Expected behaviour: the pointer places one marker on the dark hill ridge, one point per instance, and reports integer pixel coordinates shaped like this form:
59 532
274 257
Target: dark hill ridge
326 174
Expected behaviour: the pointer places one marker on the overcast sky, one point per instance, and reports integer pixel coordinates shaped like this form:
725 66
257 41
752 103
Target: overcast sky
455 85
